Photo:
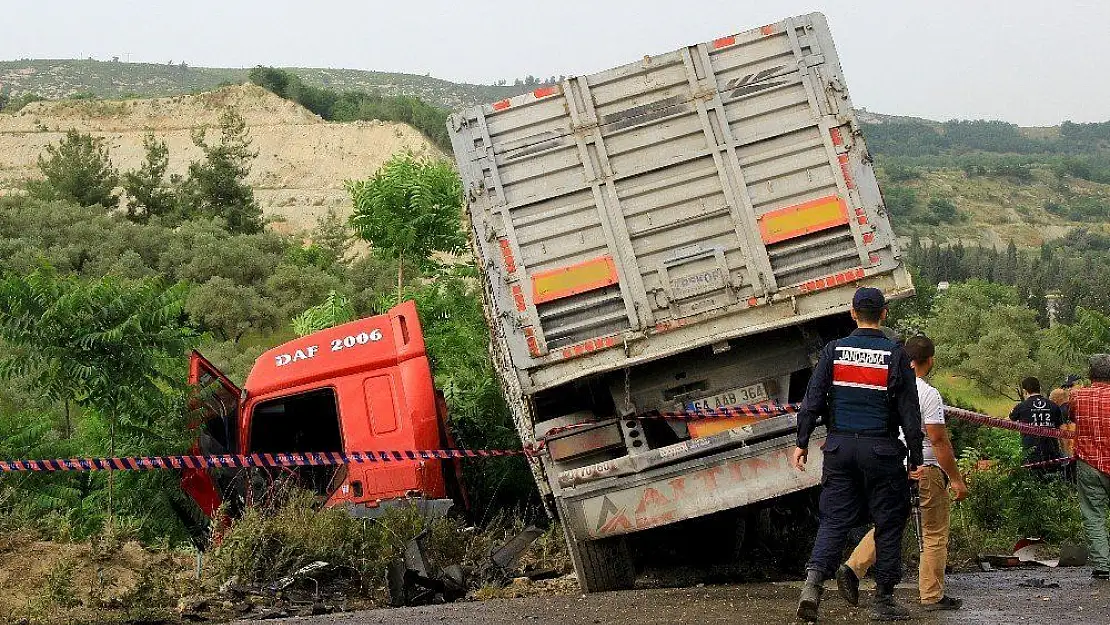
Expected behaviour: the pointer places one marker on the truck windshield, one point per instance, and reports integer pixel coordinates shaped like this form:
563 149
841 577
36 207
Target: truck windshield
306 422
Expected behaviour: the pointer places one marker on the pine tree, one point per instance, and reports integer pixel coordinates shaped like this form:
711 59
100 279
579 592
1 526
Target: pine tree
147 186
216 186
77 169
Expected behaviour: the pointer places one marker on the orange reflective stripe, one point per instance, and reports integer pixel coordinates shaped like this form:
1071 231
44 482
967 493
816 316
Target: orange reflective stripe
801 219
566 281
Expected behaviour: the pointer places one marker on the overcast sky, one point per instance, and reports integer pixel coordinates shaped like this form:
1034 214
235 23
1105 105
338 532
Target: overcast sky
1025 61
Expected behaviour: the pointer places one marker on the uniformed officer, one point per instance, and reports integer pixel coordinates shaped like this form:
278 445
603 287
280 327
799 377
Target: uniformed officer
865 389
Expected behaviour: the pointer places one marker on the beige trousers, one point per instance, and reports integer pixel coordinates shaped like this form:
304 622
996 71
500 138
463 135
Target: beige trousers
935 508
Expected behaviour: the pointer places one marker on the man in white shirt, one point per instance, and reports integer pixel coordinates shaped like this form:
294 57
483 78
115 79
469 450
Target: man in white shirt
938 473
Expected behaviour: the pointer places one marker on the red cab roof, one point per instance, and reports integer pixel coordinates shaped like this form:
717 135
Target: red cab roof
370 343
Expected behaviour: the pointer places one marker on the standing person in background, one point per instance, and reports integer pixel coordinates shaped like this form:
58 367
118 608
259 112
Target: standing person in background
1062 398
938 473
1037 410
864 388
1090 409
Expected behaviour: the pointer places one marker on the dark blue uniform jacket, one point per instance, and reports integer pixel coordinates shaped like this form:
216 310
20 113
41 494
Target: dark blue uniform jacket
863 384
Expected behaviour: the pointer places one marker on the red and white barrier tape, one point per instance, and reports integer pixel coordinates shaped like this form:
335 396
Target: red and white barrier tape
238 461
1024 428
1048 463
229 461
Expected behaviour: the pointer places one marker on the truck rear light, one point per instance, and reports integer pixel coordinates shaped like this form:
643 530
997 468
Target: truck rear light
585 440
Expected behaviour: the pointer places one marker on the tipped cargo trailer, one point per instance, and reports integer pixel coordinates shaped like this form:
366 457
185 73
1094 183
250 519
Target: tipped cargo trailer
683 232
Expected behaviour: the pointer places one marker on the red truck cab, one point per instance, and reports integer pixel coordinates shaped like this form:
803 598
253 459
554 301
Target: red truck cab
361 386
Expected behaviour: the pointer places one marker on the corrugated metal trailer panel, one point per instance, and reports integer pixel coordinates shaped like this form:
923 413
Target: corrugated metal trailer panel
706 193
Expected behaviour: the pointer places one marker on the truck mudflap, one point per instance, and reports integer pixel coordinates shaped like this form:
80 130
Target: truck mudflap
737 478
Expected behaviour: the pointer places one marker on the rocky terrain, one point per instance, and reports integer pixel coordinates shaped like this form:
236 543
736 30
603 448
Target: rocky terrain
302 160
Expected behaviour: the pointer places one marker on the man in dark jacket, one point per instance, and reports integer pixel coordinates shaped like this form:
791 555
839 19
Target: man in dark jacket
1037 410
866 391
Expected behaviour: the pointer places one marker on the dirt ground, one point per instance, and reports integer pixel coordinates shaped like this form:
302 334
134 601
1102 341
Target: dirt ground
50 582
992 598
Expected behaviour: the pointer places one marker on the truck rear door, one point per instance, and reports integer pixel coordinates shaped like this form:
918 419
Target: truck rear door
694 187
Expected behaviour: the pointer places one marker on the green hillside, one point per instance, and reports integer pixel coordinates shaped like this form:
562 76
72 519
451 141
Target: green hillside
990 182
54 79
979 182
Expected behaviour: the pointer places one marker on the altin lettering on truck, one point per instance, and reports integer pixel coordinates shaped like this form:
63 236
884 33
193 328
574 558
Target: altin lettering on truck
722 485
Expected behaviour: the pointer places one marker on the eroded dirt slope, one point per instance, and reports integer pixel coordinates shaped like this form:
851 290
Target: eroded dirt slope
302 160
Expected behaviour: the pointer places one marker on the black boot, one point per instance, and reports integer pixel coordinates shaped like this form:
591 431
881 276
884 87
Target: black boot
848 584
811 596
886 607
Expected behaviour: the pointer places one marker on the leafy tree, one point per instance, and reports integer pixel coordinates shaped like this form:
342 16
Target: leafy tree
900 202
216 186
335 310
228 309
408 210
111 345
1088 334
977 323
292 289
147 186
77 169
333 237
943 210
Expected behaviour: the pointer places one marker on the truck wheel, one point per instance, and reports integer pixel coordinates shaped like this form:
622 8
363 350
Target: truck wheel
602 565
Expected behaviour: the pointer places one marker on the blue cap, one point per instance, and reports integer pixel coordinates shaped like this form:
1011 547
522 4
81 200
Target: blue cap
868 298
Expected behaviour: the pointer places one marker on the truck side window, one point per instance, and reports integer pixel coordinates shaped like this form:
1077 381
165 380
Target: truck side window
307 422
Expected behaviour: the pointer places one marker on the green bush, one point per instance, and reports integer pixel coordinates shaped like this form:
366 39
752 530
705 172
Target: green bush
265 545
898 172
1006 503
942 210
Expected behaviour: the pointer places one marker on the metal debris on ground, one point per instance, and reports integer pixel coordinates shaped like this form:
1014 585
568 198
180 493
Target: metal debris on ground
414 580
303 572
314 589
504 560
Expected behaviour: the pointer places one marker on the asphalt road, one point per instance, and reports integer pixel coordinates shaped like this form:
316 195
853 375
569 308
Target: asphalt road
992 598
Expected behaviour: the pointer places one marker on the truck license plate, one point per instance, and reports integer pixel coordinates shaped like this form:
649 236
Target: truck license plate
753 394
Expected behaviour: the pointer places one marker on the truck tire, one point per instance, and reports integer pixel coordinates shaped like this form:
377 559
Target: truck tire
602 565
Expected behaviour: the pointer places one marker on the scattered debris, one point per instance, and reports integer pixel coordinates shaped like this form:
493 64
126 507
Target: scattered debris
1034 552
413 580
507 556
231 587
1038 582
303 572
191 608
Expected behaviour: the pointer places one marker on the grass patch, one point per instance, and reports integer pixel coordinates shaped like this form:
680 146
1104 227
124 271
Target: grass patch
965 392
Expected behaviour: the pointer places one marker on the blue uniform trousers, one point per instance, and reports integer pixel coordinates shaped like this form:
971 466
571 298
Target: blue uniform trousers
862 475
